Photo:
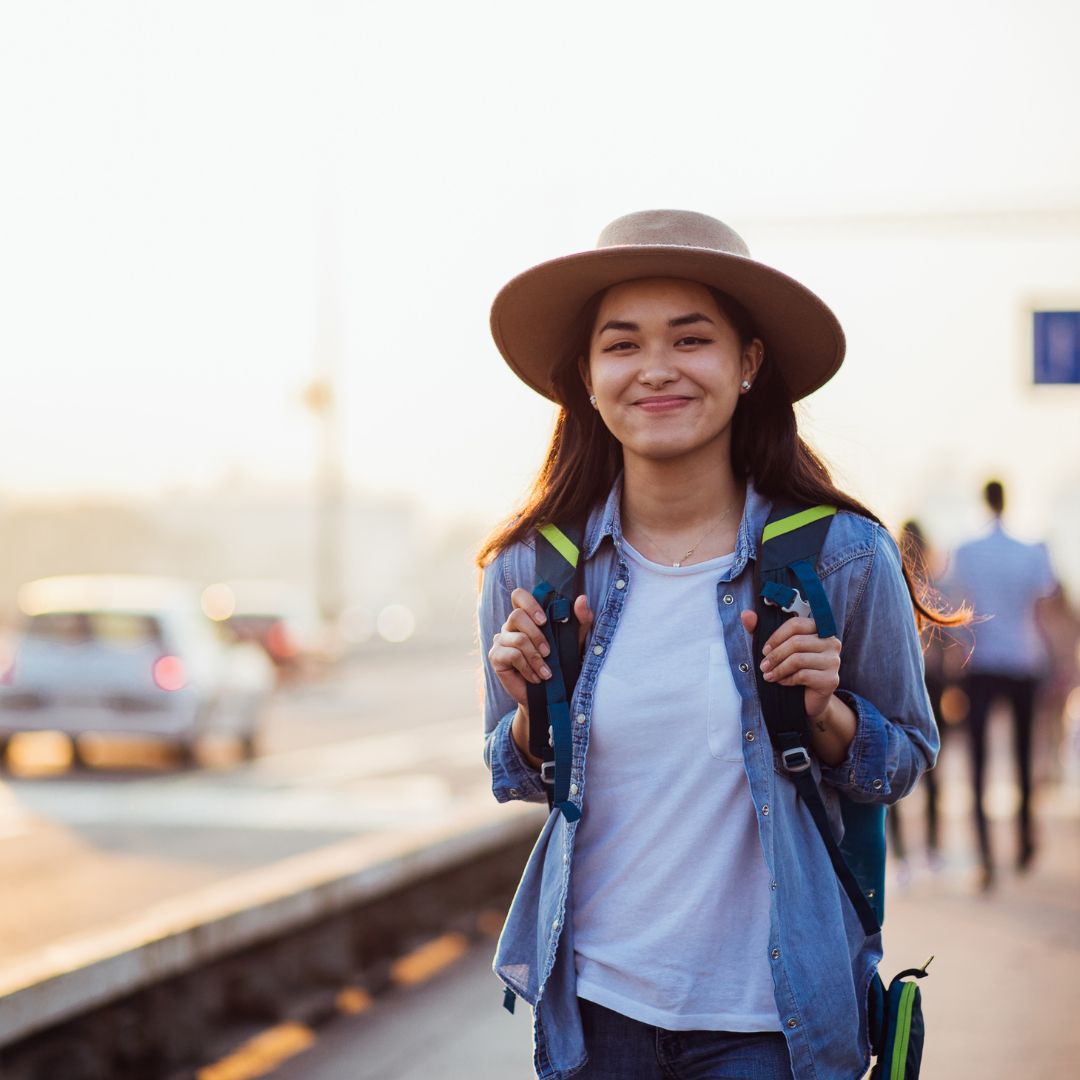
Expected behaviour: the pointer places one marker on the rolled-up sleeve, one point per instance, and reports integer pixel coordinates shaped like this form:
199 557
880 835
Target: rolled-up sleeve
512 777
882 680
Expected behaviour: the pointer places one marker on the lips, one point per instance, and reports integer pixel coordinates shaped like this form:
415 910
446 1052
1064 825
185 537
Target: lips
661 404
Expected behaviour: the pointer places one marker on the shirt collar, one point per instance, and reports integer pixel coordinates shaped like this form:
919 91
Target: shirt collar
605 522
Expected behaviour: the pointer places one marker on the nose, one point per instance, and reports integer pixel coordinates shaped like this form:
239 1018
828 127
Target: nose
656 369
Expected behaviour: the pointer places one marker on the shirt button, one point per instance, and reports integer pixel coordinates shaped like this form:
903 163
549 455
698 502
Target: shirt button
565 857
580 718
744 667
513 791
620 584
728 598
772 885
573 789
775 954
793 1023
765 810
598 650
555 924
749 736
877 785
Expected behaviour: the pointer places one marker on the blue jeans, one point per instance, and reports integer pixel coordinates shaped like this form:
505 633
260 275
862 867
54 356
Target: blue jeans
623 1049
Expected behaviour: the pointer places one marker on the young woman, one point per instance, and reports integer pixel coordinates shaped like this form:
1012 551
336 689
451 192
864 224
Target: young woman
689 924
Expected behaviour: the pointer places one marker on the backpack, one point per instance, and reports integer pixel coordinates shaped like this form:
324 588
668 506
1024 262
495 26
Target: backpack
786 583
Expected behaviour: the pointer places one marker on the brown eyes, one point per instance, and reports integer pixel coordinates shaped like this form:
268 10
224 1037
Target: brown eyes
625 346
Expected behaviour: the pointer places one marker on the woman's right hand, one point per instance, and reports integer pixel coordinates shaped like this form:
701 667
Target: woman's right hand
518 651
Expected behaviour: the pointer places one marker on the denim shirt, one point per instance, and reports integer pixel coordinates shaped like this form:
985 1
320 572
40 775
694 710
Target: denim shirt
821 961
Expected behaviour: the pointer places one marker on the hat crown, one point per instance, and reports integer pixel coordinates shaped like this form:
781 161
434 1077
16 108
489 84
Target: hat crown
672 228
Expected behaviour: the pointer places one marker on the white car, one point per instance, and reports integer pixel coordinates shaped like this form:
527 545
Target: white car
128 655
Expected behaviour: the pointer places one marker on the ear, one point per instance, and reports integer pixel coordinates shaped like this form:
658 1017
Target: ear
583 371
752 358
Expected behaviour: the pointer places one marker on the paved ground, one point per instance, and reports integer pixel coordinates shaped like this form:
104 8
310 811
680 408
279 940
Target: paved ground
1000 1001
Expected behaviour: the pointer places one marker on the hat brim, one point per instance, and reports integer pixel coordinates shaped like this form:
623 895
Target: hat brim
534 314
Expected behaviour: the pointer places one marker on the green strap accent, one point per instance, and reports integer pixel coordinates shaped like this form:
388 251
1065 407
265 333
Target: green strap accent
560 542
903 1032
796 521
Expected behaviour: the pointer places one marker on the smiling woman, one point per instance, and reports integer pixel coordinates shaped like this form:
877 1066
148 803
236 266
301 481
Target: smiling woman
701 928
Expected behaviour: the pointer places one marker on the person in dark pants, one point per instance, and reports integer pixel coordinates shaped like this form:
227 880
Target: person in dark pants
913 544
1004 579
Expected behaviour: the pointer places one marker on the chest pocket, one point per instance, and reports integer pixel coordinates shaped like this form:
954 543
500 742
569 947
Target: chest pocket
725 708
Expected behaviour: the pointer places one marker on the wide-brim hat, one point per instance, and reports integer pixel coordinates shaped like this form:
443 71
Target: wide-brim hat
535 314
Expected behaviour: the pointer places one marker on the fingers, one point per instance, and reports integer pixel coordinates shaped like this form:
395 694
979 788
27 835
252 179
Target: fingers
790 628
517 651
523 600
749 620
800 668
514 651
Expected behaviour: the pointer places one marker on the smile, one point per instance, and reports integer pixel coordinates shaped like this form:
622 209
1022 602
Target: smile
662 404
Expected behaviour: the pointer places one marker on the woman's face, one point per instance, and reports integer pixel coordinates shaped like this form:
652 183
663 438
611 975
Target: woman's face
666 366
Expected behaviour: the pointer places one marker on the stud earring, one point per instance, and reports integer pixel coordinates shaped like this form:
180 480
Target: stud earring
745 385
592 400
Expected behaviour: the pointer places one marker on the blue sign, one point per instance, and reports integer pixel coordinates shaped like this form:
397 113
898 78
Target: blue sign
1057 347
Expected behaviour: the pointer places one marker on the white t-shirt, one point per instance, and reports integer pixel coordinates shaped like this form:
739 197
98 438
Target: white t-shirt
670 891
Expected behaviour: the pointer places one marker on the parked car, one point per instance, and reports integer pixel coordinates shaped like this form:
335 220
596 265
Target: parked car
280 617
128 655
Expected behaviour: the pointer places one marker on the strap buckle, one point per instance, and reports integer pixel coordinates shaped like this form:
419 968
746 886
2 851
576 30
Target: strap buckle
795 606
547 772
796 760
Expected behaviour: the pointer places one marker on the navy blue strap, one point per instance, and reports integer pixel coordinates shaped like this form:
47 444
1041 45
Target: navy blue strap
549 705
807 788
780 595
814 595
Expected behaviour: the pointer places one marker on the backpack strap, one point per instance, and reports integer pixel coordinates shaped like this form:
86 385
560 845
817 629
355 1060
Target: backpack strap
558 557
788 584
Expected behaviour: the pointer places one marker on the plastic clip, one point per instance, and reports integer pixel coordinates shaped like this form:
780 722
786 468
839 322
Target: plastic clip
796 760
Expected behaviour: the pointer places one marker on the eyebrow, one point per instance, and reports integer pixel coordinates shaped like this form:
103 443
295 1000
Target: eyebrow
681 320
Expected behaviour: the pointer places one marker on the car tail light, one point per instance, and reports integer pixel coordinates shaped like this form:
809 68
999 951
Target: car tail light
279 643
169 673
7 666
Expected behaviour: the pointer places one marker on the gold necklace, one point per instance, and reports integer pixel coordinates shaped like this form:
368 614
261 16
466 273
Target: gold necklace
690 551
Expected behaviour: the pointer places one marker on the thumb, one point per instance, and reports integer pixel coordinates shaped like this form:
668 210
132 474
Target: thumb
583 611
584 616
749 620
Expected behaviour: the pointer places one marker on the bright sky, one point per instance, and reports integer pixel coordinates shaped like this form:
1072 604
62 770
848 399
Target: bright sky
180 177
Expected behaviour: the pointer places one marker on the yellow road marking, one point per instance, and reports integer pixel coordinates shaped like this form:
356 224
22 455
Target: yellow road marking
261 1054
429 959
352 1001
264 1052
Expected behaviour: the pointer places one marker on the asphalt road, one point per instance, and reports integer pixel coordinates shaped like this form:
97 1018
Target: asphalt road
393 738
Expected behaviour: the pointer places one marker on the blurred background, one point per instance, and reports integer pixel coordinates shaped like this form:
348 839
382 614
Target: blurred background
254 420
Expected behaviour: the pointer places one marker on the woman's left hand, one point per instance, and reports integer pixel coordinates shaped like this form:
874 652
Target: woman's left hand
796 656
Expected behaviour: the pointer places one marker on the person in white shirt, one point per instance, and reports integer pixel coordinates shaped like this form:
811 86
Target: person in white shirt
1004 578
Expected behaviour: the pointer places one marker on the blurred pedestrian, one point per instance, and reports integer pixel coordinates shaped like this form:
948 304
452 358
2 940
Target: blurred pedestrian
679 914
1004 579
922 560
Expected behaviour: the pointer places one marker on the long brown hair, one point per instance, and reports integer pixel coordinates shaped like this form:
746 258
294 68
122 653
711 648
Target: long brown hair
584 458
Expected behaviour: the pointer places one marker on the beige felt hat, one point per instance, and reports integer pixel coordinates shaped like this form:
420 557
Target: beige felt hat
534 314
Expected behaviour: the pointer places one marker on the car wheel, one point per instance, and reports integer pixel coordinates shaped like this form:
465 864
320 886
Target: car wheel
78 756
187 754
248 744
